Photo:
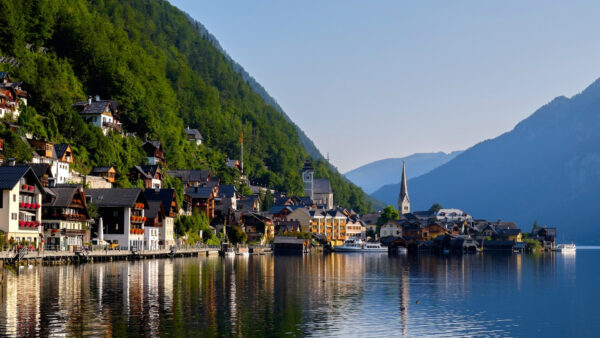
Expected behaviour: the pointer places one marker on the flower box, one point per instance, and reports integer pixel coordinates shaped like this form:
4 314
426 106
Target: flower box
21 223
30 188
24 187
22 205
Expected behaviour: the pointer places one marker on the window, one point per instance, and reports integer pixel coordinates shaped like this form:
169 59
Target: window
14 197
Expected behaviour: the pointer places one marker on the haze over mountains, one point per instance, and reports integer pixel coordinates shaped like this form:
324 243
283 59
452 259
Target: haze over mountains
546 168
375 175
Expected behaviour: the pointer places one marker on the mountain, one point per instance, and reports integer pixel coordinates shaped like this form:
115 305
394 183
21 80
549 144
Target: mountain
546 169
375 175
165 74
306 142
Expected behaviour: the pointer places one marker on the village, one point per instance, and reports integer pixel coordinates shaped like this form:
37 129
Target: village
47 206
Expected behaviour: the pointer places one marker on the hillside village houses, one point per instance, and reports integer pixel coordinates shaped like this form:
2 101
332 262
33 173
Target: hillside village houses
45 203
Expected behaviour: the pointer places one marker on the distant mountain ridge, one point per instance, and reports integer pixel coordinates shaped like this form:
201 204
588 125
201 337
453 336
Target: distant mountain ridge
375 175
547 169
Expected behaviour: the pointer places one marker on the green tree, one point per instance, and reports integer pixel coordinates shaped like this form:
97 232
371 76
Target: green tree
389 213
236 234
435 208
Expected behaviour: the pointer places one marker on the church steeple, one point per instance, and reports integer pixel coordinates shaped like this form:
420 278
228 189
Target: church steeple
403 199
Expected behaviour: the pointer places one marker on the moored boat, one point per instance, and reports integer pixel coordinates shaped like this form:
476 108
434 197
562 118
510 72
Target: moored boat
565 248
357 245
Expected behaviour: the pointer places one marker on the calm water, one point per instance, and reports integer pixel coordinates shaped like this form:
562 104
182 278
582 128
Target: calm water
332 295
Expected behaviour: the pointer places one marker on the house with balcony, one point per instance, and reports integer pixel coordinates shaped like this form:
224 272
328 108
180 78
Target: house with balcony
66 219
122 213
58 156
171 210
259 228
103 114
21 195
328 224
150 175
154 152
12 96
202 199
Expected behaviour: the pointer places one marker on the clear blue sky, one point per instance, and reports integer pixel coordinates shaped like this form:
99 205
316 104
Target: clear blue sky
368 80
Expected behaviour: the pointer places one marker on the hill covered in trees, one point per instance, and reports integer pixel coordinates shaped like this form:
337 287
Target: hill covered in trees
165 74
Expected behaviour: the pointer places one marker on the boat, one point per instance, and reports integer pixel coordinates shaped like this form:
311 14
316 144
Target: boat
357 245
565 248
227 250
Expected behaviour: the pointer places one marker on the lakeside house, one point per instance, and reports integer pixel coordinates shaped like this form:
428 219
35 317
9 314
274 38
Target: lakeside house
155 215
20 204
122 213
58 156
170 209
66 219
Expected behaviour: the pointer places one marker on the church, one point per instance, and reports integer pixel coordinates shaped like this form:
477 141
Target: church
318 189
403 199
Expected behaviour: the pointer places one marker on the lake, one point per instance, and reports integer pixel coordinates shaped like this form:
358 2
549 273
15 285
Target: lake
325 295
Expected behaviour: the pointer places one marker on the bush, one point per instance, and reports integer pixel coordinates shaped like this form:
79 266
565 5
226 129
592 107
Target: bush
532 244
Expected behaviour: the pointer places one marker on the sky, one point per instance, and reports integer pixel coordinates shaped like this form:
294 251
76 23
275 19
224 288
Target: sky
368 80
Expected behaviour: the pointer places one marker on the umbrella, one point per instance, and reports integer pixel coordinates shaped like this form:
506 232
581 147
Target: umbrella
100 231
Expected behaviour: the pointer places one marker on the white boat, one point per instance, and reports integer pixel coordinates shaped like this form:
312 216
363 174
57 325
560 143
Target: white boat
565 247
357 245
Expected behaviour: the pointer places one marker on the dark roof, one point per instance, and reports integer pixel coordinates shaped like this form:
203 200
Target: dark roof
64 196
39 169
96 107
509 232
152 169
321 186
153 209
114 197
193 132
199 192
227 191
166 196
60 149
187 176
10 176
505 225
99 170
308 165
155 144
3 74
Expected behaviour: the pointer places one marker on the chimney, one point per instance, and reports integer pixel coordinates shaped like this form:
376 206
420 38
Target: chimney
97 98
11 161
89 100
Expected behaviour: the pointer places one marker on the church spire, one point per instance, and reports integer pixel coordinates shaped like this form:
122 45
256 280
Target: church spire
403 199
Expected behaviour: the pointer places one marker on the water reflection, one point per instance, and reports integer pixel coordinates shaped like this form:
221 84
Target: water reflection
331 295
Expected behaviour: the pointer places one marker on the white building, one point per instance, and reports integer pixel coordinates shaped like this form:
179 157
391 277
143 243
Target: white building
20 204
166 235
391 228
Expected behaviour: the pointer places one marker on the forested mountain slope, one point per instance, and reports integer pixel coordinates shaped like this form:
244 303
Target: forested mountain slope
151 58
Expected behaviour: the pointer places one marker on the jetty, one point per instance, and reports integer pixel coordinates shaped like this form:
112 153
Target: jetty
27 257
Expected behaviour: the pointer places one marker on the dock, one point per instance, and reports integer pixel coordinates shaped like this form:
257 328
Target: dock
66 257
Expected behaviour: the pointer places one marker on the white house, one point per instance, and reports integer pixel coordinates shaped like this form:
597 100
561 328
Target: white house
391 228
166 235
21 204
103 114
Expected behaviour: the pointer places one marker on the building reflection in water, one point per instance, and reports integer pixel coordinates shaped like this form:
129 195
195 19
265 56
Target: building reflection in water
333 294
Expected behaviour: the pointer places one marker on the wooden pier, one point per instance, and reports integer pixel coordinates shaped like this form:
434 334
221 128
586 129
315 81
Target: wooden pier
67 257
